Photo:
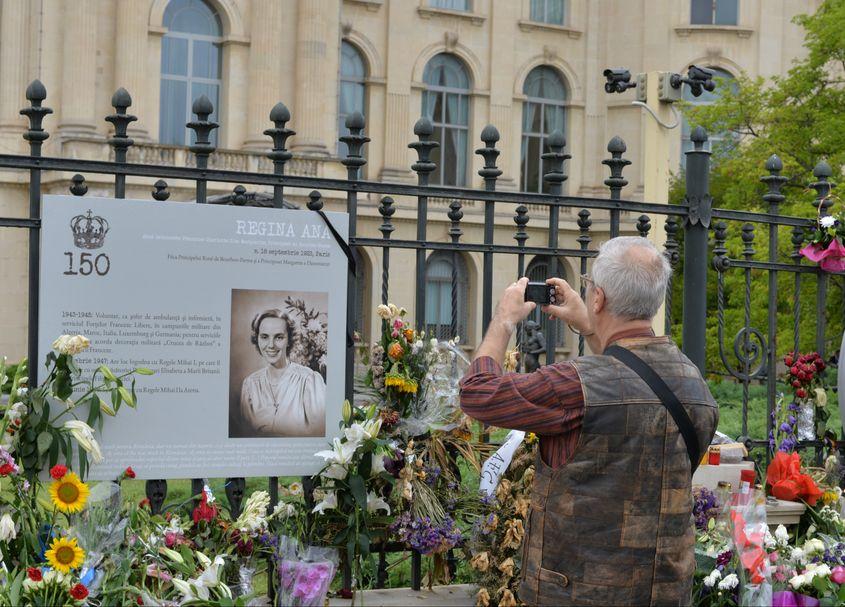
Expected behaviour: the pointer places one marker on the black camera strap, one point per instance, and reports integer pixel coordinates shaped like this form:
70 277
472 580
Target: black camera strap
666 396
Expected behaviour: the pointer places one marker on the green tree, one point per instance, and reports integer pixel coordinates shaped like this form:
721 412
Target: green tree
800 116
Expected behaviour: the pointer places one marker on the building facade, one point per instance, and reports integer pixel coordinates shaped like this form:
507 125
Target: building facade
527 66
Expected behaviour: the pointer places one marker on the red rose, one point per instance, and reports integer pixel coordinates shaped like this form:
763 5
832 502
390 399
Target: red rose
129 472
140 601
788 360
6 469
801 393
58 471
79 592
144 503
795 370
796 383
34 574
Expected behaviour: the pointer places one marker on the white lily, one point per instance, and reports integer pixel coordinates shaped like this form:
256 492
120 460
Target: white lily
84 435
827 221
172 555
211 576
204 560
377 465
7 528
375 503
328 503
339 457
781 535
183 587
358 433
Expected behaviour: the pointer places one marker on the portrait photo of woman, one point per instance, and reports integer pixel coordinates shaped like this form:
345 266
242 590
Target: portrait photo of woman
282 398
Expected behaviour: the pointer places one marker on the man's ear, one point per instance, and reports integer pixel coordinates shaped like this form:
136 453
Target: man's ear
599 300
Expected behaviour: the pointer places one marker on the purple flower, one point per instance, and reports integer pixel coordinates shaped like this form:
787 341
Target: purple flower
724 558
792 420
794 406
705 506
425 536
784 427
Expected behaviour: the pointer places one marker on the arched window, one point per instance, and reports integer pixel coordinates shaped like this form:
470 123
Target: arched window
538 271
719 142
190 67
446 103
438 295
543 112
353 72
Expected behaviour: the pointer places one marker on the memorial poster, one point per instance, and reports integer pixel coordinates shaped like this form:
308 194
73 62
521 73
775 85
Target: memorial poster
239 311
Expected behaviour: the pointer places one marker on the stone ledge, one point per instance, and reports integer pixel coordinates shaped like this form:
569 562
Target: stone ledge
740 32
530 26
439 596
427 12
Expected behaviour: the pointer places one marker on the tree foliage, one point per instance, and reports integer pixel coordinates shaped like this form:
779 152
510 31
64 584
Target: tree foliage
800 116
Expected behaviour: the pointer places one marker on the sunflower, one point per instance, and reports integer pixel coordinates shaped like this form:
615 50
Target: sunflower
69 494
64 554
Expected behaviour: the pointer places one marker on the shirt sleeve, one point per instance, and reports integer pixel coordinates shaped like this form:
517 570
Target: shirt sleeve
546 402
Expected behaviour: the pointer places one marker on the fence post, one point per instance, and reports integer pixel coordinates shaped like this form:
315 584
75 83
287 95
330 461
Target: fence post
696 227
490 135
202 148
121 101
423 167
35 135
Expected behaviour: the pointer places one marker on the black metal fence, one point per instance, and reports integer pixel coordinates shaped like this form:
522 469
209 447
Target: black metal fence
687 226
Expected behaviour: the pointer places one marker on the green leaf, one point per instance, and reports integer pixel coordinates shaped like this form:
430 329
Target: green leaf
359 491
54 449
107 373
124 394
115 399
350 549
341 536
15 590
364 544
45 439
144 371
93 410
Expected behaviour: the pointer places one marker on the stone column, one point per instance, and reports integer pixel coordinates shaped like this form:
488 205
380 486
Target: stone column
129 63
265 76
317 58
13 44
79 69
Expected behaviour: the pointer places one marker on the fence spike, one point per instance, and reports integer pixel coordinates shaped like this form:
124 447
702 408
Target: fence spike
643 225
774 180
555 158
490 172
721 261
239 198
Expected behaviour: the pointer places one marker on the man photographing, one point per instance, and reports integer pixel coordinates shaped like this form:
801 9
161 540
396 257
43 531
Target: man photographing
620 435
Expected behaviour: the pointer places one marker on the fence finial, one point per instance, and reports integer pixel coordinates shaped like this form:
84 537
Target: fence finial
616 163
423 129
489 135
822 186
78 187
280 116
160 192
521 220
355 141
774 180
699 138
203 127
554 160
36 92
721 261
386 210
121 100
315 201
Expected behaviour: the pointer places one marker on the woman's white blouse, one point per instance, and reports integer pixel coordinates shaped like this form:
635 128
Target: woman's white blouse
295 405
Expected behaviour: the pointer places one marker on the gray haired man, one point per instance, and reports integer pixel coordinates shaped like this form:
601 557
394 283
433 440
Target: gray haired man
620 433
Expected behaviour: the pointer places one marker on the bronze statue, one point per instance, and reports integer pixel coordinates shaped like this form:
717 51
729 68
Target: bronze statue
535 345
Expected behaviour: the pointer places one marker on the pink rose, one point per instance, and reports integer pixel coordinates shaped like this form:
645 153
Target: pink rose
838 574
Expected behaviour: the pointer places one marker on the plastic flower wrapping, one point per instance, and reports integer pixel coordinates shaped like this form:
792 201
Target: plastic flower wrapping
305 573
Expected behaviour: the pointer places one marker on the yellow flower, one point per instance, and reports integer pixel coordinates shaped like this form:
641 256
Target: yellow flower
409 385
530 438
64 554
394 380
831 496
511 360
69 494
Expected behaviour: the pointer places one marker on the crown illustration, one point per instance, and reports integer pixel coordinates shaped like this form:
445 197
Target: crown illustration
89 231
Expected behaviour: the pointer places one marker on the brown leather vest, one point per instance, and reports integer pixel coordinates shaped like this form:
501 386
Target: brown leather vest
614 525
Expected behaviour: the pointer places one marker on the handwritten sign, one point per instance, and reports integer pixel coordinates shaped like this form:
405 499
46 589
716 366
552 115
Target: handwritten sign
495 467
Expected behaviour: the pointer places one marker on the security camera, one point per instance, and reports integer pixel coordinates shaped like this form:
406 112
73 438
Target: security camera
698 79
618 80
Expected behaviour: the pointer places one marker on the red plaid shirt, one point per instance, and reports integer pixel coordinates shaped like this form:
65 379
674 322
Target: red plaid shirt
548 402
